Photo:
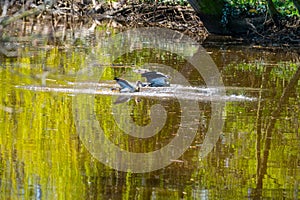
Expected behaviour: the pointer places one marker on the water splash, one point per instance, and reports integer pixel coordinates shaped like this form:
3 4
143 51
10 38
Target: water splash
175 91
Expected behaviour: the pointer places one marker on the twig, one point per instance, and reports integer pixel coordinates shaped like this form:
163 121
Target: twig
4 9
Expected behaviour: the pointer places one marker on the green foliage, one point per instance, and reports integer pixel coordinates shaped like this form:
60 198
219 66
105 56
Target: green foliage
287 8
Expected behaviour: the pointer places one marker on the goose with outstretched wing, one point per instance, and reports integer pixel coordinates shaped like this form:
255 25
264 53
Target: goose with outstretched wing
126 86
154 79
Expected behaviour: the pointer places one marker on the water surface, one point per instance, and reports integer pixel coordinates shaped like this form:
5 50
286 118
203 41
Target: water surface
256 155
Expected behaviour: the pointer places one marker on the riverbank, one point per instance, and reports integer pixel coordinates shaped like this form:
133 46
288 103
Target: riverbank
64 15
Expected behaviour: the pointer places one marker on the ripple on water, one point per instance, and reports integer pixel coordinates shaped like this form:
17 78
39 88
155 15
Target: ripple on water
175 91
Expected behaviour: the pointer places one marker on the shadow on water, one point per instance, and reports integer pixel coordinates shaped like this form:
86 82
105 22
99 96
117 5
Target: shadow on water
42 156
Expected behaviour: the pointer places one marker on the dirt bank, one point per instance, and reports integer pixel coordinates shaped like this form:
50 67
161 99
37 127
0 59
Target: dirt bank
177 17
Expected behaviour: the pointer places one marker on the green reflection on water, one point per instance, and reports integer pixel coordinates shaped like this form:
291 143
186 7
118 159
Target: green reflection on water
41 154
39 144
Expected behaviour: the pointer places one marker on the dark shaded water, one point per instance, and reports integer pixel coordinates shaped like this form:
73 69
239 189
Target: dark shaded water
58 121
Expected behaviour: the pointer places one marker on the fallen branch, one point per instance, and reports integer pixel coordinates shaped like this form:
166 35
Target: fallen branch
35 11
25 13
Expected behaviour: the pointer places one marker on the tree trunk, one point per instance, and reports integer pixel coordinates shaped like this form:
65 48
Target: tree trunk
210 13
273 12
297 4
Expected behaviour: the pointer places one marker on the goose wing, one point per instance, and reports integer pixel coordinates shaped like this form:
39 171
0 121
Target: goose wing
154 75
159 82
125 85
